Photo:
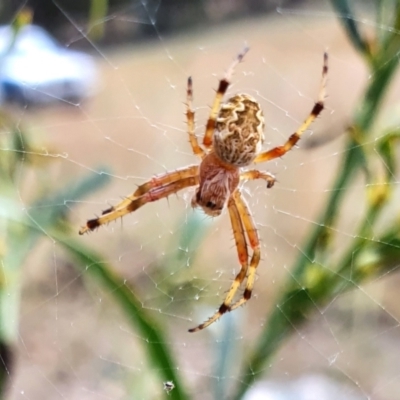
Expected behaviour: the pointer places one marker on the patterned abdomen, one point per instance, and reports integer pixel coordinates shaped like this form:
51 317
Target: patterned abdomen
239 128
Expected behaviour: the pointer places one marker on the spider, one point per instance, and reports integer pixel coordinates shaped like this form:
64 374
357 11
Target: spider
233 139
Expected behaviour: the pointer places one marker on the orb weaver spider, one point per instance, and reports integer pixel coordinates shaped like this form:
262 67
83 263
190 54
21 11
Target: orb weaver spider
233 139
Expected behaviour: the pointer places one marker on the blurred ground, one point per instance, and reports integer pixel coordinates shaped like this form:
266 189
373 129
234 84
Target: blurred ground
74 343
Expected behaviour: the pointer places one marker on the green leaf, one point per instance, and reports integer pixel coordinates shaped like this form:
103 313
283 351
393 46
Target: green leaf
317 282
156 344
348 20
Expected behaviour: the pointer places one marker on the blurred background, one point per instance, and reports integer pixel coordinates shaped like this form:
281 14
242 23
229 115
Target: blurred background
98 90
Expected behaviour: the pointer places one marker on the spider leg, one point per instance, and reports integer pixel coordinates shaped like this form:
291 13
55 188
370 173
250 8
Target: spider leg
197 150
158 187
254 242
256 174
279 151
243 255
222 88
160 180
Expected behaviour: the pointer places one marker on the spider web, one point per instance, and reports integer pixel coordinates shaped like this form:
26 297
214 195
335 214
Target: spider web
76 343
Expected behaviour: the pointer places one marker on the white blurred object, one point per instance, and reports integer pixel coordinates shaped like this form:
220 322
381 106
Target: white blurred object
36 69
310 387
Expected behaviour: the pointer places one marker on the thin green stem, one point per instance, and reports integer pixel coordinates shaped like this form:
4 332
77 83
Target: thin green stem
299 300
150 331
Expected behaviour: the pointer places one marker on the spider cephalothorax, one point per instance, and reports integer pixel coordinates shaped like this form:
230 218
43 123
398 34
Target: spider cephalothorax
217 181
233 139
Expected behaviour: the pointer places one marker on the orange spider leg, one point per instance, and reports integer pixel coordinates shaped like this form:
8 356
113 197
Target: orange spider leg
160 180
256 174
279 151
155 189
222 88
197 150
254 242
241 245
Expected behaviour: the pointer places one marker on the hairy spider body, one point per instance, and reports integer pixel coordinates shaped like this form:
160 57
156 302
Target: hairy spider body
239 133
237 140
217 181
233 139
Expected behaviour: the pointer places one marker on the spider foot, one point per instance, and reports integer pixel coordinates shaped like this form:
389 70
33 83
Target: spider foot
221 311
270 181
91 225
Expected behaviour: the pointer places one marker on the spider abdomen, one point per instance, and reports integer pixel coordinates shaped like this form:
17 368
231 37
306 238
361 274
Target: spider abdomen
239 128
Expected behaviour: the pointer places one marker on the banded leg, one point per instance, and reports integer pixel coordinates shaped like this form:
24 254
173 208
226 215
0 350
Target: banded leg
149 191
254 242
222 88
279 151
241 245
256 174
197 150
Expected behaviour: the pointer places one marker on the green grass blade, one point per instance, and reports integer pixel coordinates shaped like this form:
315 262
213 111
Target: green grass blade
348 21
311 284
156 343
